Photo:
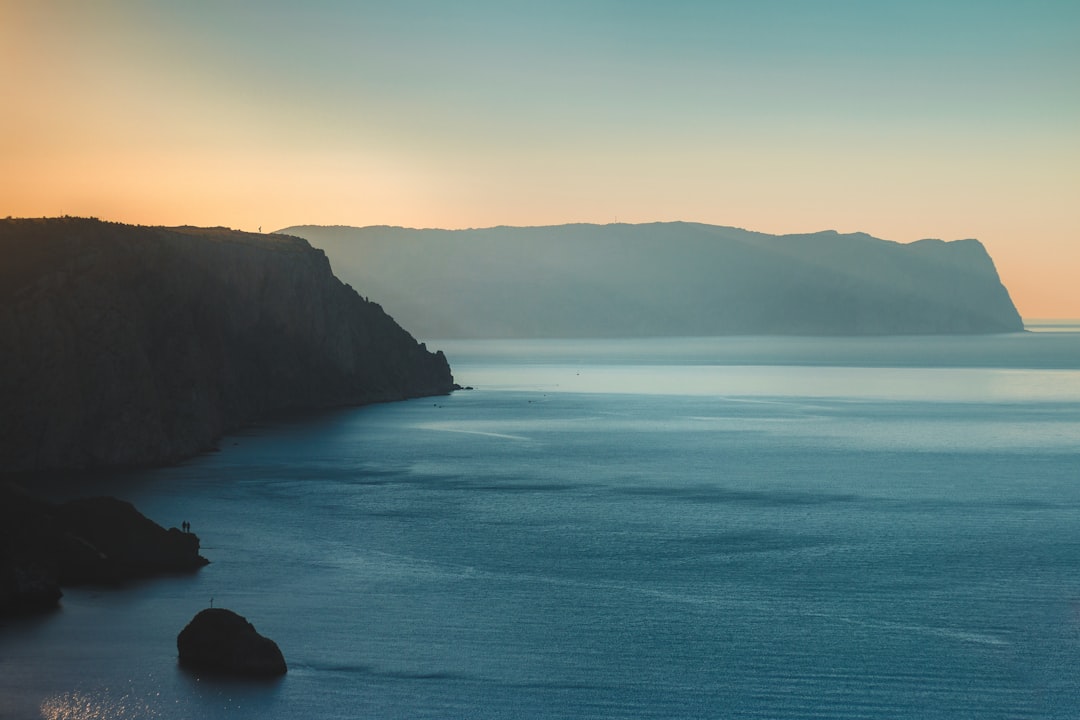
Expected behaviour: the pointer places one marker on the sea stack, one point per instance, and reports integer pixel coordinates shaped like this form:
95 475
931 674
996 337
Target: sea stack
220 641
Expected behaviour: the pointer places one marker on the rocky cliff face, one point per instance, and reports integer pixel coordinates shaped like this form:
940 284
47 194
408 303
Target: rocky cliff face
668 279
124 345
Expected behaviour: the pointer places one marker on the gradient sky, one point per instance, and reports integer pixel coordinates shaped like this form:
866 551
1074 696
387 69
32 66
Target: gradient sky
903 119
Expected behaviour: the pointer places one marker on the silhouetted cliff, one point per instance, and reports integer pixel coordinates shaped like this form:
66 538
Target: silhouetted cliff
668 279
123 345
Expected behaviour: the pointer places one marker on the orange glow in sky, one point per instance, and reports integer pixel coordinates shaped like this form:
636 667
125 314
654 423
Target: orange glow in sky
915 120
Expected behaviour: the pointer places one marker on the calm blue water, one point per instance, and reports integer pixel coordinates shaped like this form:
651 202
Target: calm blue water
739 528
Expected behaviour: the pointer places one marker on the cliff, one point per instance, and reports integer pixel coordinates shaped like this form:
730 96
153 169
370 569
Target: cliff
668 279
124 345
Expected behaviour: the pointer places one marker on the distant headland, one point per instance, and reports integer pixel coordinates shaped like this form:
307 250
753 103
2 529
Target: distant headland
125 345
667 279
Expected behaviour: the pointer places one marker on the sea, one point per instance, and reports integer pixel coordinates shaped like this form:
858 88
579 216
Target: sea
667 528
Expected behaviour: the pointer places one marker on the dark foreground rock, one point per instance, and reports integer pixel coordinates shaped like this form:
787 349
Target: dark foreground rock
44 546
28 576
128 346
26 586
220 641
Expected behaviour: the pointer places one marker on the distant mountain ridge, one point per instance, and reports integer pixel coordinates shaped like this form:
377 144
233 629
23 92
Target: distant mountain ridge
667 279
124 345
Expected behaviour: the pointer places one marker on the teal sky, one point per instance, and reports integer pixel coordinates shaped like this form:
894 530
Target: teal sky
902 119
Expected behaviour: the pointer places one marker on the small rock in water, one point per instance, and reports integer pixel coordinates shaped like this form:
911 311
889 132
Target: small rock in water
221 641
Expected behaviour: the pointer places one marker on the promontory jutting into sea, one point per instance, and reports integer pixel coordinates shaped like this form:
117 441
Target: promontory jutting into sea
697 472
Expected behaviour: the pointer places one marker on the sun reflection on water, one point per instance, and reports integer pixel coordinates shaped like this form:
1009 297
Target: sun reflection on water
95 706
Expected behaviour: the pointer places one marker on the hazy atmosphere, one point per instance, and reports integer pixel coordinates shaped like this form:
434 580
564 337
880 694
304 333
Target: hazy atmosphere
605 359
903 120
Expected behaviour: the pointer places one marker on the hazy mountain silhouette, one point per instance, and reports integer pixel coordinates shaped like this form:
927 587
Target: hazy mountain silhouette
666 279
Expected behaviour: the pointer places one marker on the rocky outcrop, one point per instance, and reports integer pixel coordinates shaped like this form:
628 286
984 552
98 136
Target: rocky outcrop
220 641
101 540
124 345
668 279
108 540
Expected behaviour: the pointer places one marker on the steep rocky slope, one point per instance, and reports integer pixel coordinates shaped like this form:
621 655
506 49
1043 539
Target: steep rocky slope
668 279
124 345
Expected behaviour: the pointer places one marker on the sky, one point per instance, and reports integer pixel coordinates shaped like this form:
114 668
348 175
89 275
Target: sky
909 119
